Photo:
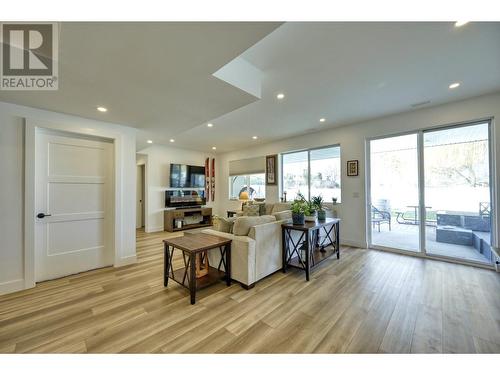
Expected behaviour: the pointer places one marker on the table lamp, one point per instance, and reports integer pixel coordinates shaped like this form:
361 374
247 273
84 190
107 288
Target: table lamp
243 198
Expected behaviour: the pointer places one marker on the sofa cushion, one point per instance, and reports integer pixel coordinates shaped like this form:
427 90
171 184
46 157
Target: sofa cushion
262 208
283 215
243 224
222 224
251 210
278 207
268 207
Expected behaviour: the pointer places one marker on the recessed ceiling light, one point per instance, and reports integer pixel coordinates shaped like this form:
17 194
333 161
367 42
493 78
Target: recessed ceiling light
280 96
254 137
461 23
214 148
172 140
210 125
102 109
322 120
454 85
150 141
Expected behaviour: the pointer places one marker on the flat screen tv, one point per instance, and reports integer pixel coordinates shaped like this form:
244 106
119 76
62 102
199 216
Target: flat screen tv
187 176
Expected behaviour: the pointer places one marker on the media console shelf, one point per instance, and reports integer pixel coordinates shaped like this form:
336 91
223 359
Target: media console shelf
172 215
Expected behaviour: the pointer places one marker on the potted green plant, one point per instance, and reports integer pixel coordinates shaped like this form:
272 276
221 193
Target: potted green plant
317 201
298 210
310 211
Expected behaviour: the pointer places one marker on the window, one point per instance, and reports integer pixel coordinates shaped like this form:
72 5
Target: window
295 174
312 172
254 184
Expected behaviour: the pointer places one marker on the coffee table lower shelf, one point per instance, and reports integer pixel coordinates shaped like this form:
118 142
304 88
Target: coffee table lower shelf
213 276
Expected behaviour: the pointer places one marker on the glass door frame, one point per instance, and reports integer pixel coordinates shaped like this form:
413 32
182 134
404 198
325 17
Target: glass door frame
422 252
369 228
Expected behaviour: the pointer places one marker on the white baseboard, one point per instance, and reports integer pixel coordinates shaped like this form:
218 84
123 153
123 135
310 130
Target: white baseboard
352 243
155 229
11 286
131 259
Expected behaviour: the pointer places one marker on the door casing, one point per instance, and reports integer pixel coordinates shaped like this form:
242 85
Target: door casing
31 126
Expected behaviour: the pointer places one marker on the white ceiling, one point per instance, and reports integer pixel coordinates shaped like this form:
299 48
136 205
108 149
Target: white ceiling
153 76
158 77
349 72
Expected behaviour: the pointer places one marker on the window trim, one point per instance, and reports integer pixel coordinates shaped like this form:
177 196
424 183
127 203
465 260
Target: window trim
308 150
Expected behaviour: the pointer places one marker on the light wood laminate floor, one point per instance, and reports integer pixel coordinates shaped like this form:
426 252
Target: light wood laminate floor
366 302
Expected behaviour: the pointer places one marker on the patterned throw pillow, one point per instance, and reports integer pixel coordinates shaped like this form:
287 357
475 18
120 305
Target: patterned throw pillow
221 224
251 210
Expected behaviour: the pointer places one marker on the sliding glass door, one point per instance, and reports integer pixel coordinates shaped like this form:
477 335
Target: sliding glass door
457 192
393 211
442 175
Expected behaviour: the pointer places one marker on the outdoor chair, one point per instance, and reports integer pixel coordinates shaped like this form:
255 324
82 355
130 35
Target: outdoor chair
484 209
380 217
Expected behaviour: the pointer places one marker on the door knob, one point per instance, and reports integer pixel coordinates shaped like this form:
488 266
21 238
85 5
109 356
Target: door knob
41 215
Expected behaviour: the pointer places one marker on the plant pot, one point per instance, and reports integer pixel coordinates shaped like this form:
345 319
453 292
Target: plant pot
322 215
311 217
297 219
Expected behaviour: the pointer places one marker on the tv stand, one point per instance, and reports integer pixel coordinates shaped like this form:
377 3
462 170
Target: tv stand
170 218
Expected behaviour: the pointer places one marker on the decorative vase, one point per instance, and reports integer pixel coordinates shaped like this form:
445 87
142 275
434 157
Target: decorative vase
297 219
322 215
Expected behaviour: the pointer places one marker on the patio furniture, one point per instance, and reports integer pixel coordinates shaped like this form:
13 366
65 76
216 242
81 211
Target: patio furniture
466 228
401 219
380 217
454 235
484 209
477 223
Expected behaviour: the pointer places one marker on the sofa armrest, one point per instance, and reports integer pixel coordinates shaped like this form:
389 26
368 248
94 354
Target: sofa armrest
242 256
268 248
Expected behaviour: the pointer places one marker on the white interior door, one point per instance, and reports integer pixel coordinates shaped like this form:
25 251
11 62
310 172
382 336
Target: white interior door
74 205
140 197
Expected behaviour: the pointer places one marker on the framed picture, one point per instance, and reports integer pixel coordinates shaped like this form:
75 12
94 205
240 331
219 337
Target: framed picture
271 163
352 168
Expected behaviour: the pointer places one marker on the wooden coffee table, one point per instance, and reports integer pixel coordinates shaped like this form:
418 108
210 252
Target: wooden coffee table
193 245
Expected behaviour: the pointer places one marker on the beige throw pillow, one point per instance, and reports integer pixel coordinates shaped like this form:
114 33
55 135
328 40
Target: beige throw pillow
223 224
283 215
251 210
279 207
243 224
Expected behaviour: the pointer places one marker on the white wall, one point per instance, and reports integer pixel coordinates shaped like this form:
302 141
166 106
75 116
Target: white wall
12 271
352 138
158 163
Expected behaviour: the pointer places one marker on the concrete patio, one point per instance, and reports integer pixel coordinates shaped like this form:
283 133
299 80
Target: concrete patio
405 237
